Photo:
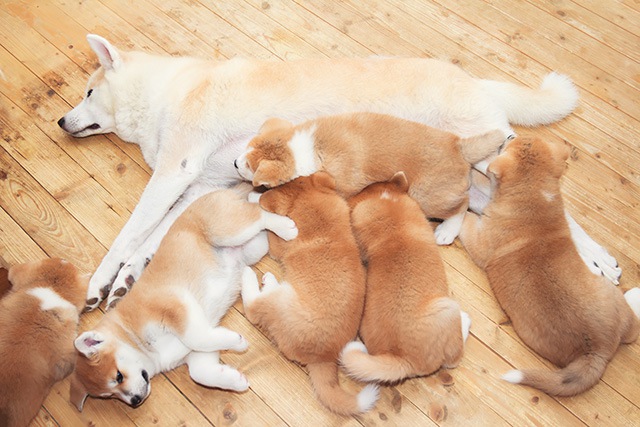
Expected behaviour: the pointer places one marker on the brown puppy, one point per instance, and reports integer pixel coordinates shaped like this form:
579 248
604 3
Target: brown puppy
5 284
559 309
410 325
38 322
316 309
363 148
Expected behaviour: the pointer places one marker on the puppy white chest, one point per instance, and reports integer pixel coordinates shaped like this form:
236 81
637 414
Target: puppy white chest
302 145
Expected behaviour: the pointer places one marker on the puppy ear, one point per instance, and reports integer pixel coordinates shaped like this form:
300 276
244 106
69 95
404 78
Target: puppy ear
273 124
108 55
89 343
267 174
399 179
323 180
77 392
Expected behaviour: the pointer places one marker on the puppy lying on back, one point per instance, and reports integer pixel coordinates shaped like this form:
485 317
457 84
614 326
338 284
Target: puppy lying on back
38 322
360 149
169 317
316 308
559 309
410 325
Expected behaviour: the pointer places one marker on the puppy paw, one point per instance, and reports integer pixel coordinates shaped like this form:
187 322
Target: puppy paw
254 197
269 282
241 345
283 226
98 290
632 296
232 379
445 234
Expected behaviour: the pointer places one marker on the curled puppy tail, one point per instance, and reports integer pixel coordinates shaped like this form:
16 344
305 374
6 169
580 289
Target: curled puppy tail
578 376
324 378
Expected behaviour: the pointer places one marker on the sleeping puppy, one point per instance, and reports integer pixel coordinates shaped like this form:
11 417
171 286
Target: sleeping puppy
38 322
410 325
169 317
563 312
316 308
363 148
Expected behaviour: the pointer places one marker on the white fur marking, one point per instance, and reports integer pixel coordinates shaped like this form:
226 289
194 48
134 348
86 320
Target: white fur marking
368 397
632 296
385 195
51 300
549 197
514 377
302 147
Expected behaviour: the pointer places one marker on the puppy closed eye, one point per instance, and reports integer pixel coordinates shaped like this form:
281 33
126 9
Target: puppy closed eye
89 93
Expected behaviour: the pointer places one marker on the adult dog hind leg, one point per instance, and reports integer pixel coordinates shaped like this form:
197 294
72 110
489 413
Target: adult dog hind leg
205 369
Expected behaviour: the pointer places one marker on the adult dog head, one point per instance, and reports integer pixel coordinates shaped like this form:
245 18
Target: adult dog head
95 114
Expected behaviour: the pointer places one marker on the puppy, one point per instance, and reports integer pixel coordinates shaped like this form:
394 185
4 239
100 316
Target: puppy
316 308
39 320
410 325
360 149
5 284
170 316
563 312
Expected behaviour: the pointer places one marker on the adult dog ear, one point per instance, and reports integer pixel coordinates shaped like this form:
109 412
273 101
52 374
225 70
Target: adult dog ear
268 173
77 392
399 179
89 343
108 55
273 124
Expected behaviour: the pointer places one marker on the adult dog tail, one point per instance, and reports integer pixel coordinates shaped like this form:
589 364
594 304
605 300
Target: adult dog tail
324 378
578 376
556 98
380 368
480 147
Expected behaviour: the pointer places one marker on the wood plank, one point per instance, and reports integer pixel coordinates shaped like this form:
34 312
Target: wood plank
618 12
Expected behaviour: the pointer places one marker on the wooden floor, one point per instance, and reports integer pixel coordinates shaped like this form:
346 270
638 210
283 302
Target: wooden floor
65 197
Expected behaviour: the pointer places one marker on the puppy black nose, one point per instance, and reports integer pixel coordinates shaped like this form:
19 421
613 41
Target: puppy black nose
135 400
145 375
235 163
61 122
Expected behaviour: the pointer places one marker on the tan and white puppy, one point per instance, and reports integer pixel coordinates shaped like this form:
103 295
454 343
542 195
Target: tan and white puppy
563 312
192 117
411 327
362 148
316 308
171 314
38 322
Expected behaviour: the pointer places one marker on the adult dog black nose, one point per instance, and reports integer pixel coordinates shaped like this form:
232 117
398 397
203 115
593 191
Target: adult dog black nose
135 400
61 122
235 163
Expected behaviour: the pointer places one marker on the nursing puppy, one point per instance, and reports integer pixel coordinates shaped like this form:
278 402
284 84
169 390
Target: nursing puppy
410 325
363 148
171 314
38 322
563 312
192 117
316 308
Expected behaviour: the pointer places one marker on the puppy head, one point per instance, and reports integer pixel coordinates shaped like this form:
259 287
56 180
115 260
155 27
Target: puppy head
280 200
55 273
278 154
95 113
108 367
529 159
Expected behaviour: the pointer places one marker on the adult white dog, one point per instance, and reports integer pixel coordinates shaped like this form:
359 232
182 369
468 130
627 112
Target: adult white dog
192 118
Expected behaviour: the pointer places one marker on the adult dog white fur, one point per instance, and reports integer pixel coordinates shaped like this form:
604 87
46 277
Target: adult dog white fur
170 317
192 118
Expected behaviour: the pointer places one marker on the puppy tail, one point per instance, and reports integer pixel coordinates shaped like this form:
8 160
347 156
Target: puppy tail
556 98
578 376
479 147
381 368
324 378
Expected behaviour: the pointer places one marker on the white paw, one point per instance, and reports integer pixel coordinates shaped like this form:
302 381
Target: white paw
286 229
446 233
632 296
232 379
466 325
99 287
269 282
241 345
